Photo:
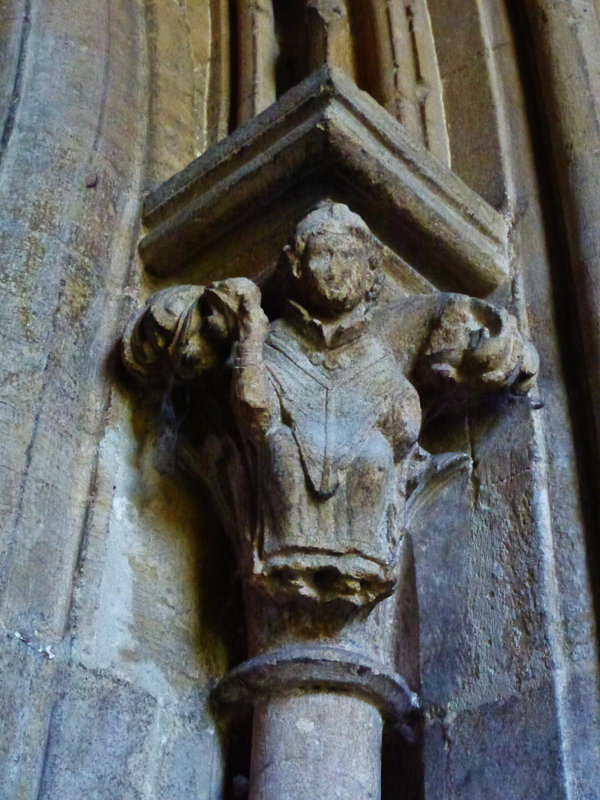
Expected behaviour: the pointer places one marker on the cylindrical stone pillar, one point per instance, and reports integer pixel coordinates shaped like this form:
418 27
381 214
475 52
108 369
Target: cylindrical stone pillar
566 44
318 721
316 745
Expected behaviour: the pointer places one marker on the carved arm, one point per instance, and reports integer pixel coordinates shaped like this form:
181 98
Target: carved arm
253 398
187 330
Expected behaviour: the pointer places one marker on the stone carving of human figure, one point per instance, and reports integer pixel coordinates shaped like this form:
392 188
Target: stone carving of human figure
325 415
334 423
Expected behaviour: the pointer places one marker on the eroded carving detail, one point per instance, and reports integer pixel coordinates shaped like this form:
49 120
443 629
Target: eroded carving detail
308 423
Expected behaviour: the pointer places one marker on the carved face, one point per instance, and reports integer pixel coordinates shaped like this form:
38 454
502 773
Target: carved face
334 272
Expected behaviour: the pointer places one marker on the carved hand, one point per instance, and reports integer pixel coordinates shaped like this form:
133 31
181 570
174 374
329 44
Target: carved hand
238 302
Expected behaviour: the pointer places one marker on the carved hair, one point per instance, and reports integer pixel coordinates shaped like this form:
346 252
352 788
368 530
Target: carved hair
329 217
334 218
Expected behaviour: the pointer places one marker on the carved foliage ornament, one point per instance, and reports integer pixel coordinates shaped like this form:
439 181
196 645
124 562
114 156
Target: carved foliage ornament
305 426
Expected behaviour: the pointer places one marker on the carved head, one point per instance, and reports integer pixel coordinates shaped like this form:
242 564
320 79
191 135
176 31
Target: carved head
331 261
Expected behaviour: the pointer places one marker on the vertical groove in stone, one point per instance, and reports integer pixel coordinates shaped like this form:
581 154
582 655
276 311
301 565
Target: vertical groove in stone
399 68
80 265
189 87
387 47
257 57
329 35
567 48
429 87
124 257
14 37
69 190
466 70
219 69
396 89
565 39
207 32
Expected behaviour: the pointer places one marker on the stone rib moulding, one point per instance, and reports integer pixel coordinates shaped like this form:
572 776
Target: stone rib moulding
327 127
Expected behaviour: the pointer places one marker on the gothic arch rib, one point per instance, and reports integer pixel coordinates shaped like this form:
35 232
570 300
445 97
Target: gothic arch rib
432 67
469 37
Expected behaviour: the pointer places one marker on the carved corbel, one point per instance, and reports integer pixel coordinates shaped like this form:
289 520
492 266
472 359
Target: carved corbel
322 412
305 426
306 430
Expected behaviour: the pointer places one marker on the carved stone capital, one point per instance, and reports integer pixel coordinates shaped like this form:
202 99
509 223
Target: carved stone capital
317 414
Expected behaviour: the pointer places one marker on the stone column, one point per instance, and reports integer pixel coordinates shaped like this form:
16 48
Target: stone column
566 44
305 428
306 746
319 715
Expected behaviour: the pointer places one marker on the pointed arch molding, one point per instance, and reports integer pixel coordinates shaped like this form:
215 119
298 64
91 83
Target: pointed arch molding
328 128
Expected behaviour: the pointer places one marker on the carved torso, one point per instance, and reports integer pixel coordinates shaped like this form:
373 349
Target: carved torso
308 449
332 400
331 510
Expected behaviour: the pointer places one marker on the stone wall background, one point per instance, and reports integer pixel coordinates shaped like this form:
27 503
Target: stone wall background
118 610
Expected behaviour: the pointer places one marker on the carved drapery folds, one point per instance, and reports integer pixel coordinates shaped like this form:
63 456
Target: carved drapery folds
359 269
322 418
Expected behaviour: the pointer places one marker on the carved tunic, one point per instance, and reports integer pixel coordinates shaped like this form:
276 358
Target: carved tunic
345 417
308 471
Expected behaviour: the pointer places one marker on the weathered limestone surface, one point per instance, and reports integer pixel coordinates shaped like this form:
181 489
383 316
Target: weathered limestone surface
327 408
293 501
571 92
564 590
85 706
119 610
466 49
311 729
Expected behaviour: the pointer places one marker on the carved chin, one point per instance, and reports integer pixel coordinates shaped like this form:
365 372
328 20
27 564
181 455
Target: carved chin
334 301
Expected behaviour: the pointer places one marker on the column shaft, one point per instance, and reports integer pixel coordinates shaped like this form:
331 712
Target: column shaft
566 42
316 745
